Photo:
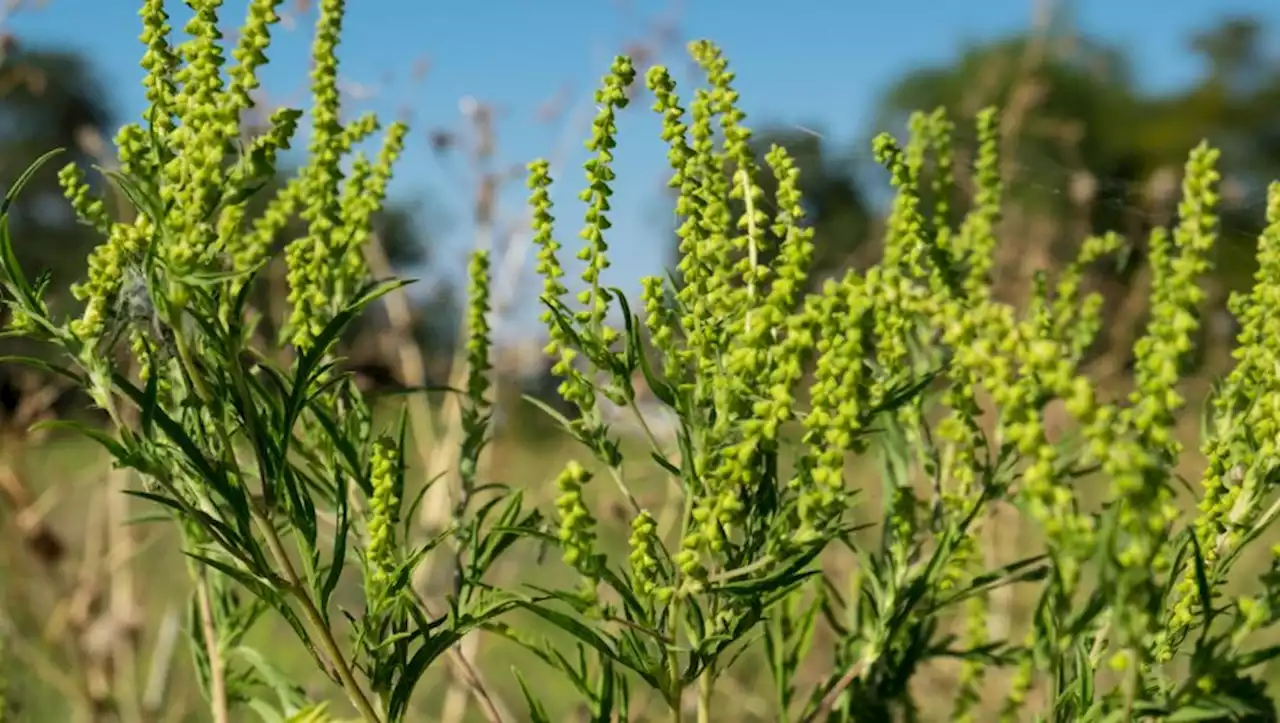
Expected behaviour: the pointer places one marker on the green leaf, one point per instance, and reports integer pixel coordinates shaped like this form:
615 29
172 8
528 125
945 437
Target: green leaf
553 658
634 349
178 435
343 444
1084 674
329 335
537 713
505 533
1027 570
549 411
262 586
149 394
7 255
144 199
338 557
402 462
432 648
101 436
410 510
291 696
900 395
563 319
407 391
634 607
1182 548
1203 589
1257 657
265 712
242 399
47 367
1213 708
605 694
223 534
151 519
16 189
786 574
665 464
588 636
265 590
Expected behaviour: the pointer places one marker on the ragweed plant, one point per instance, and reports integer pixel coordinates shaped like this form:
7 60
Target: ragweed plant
733 340
276 473
279 478
903 362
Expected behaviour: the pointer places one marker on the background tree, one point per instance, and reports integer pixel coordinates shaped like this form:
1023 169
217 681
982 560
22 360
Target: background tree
1086 150
1235 104
1070 113
50 99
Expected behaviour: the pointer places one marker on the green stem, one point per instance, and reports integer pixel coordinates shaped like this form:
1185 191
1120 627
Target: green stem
217 669
276 546
616 473
312 613
676 693
1132 681
706 683
187 360
728 575
673 656
673 666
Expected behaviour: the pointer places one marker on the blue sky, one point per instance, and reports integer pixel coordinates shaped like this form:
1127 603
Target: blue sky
816 63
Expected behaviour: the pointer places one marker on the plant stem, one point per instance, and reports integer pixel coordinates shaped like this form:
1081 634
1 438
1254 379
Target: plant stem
747 569
1132 681
1099 643
217 678
312 613
354 692
673 664
706 684
673 657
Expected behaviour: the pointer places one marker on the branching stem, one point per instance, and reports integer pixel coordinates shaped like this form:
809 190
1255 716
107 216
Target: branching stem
357 695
